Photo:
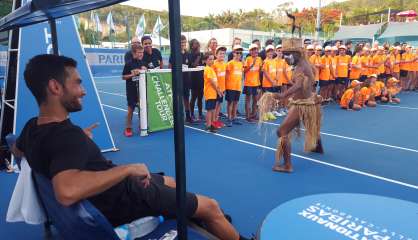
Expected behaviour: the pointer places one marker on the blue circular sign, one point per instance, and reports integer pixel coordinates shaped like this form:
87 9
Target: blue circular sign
342 216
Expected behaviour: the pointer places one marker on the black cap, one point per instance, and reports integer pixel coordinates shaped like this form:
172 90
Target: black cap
145 37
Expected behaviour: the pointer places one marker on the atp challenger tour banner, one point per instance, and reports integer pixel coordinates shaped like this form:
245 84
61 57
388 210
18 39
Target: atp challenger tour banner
159 101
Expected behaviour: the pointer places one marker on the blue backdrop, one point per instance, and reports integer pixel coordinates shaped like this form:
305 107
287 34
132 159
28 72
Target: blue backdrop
36 39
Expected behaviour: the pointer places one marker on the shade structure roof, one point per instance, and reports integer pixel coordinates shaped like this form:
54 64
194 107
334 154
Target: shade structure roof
357 32
37 11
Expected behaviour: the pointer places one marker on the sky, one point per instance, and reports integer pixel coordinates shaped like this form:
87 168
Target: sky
201 8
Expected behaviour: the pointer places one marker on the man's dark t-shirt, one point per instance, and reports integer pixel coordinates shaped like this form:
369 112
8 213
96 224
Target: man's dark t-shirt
128 56
55 147
185 61
154 59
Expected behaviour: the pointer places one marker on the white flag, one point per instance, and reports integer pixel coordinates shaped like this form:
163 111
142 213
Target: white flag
97 21
92 19
109 21
158 27
140 27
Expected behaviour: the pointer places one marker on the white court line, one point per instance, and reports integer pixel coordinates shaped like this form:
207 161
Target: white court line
295 155
110 77
114 94
329 134
109 82
389 106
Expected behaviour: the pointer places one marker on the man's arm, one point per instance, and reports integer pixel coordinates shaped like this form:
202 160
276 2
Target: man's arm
294 88
71 186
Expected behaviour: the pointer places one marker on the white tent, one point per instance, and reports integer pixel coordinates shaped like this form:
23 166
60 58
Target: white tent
400 32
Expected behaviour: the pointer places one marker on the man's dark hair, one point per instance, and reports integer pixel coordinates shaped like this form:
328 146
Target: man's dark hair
145 37
183 38
348 42
269 42
42 68
255 40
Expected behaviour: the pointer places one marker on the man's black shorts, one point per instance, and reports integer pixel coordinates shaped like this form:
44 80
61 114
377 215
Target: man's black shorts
342 81
220 99
362 78
323 83
187 85
132 95
271 89
210 104
232 95
404 73
157 199
252 91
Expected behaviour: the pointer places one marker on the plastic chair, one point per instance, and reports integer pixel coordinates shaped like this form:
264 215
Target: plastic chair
77 222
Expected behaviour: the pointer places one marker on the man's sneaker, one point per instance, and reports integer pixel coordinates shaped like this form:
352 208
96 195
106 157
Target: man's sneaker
211 129
229 123
222 115
276 114
236 122
283 113
128 132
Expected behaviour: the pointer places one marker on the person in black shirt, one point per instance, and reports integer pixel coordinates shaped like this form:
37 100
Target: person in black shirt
66 154
130 74
185 78
196 60
129 55
152 56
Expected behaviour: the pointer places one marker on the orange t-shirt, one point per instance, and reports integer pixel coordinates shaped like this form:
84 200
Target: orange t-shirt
396 66
281 71
355 72
209 77
405 57
346 98
289 72
220 70
252 76
334 67
379 62
377 88
235 71
325 72
342 66
270 68
315 59
372 70
365 94
364 65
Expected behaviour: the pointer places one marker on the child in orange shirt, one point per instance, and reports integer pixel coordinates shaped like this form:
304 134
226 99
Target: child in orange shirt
211 91
351 99
393 89
233 79
220 69
367 94
252 67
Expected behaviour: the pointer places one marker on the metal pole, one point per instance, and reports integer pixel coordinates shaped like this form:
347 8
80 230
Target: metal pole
54 36
179 148
318 21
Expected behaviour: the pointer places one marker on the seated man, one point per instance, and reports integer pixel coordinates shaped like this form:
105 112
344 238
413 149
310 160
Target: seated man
64 153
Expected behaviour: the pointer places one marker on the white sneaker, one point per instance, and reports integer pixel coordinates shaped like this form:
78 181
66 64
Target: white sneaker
276 114
283 113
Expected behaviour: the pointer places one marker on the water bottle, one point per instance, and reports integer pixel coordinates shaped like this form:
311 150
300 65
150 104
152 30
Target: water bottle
143 226
171 235
123 232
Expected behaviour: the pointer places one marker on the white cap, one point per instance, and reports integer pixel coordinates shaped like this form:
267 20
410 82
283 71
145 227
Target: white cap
269 47
328 48
318 47
334 48
366 49
310 47
221 48
237 47
380 48
252 46
342 47
279 46
398 48
373 49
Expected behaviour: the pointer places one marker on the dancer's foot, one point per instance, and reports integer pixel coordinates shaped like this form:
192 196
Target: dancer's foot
283 168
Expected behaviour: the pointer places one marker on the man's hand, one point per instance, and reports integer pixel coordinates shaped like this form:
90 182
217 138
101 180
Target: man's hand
88 130
140 170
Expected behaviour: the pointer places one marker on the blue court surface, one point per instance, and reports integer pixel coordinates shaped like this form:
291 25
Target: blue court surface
372 152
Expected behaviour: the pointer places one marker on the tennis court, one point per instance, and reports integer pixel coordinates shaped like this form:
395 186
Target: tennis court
373 151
